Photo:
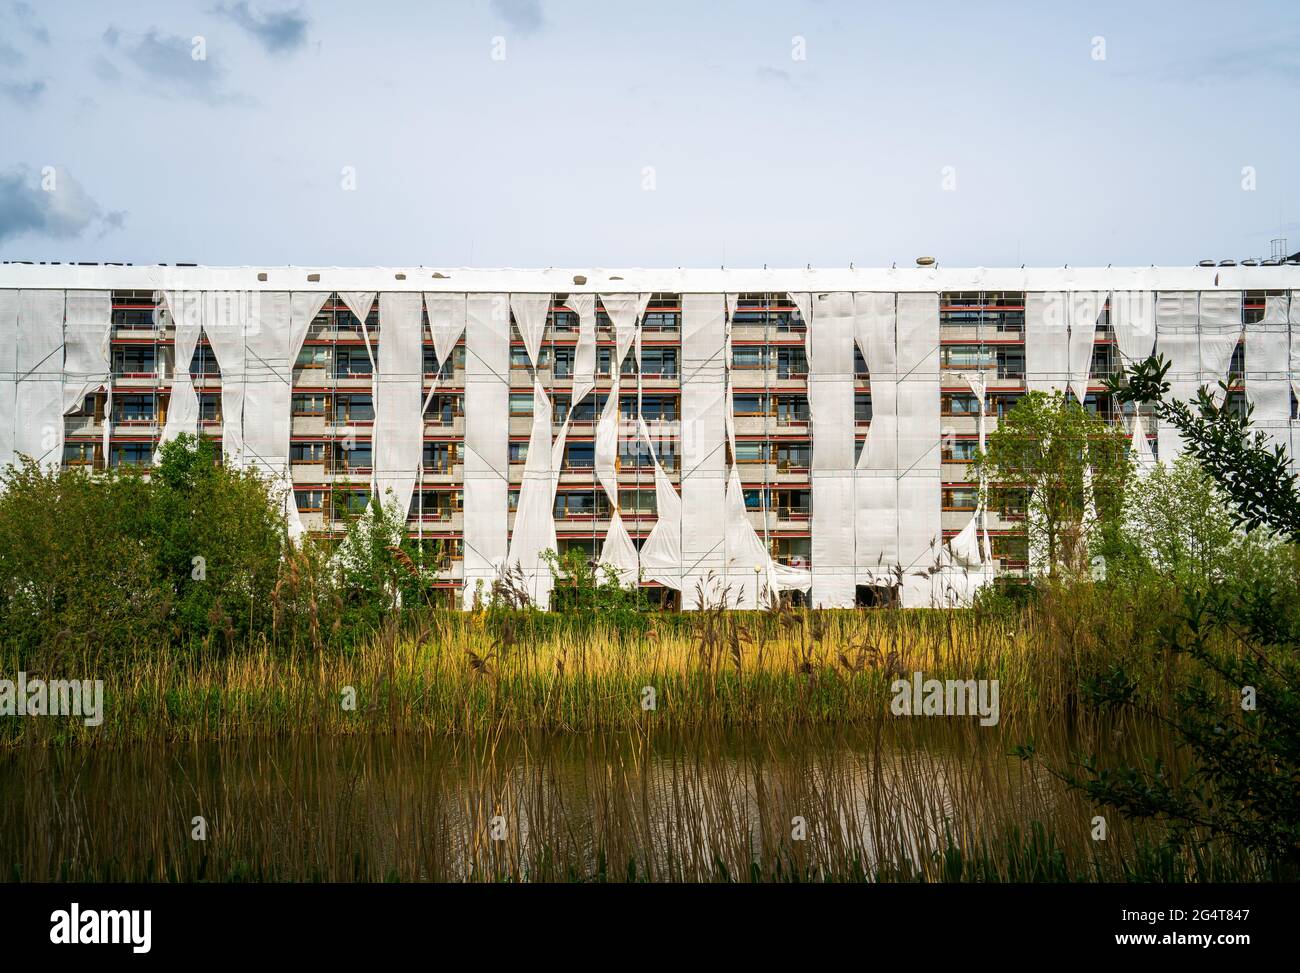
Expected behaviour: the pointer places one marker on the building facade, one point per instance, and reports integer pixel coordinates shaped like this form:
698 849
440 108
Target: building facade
708 434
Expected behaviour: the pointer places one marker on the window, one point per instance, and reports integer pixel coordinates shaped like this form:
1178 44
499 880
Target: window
564 321
654 408
793 456
314 356
580 456
792 408
791 363
444 409
134 408
204 361
960 450
580 504
603 358
753 500
1010 547
749 356
748 404
564 362
435 504
512 499
862 407
960 498
210 407
354 408
307 452
794 551
134 360
589 408
751 452
350 503
634 454
517 453
1011 362
519 358
659 321
638 501
1002 404
79 454
352 363
521 403
859 364
968 356
792 504
659 362
310 404
309 501
959 404
131 454
439 458
357 457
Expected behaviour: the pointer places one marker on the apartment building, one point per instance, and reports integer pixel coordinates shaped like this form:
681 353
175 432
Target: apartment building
747 433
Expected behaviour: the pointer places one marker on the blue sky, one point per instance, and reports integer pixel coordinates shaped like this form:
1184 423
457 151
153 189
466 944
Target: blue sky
570 133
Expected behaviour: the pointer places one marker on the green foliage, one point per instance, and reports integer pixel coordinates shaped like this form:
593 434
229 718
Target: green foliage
582 585
1255 476
1069 464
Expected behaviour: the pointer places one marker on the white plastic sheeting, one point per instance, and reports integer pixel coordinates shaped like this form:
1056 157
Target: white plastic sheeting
1085 308
186 311
704 472
487 416
87 331
1220 331
1268 385
1133 319
530 311
1047 347
661 554
1177 325
584 356
619 553
920 534
534 526
625 311
830 341
399 424
446 313
876 487
31 376
224 314
274 334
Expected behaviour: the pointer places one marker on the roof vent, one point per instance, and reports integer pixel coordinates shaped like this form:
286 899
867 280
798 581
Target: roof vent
1206 263
925 261
262 275
313 278
1250 262
579 279
1227 263
441 276
400 276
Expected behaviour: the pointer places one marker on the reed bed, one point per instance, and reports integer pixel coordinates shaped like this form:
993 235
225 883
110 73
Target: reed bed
454 673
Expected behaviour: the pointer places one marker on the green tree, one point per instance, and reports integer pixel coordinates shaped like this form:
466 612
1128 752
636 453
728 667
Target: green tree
1255 475
1072 467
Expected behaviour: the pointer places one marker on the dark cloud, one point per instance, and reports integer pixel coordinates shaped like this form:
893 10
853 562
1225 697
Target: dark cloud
1271 62
167 63
277 31
10 56
24 19
23 92
773 74
524 16
64 211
